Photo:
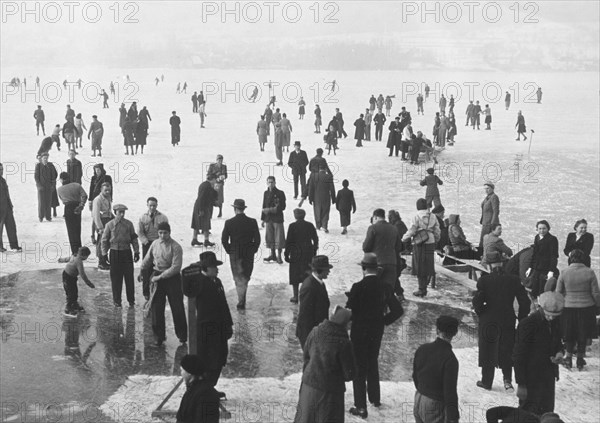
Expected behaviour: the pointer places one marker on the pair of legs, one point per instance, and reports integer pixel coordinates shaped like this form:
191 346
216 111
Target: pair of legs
121 268
169 289
241 269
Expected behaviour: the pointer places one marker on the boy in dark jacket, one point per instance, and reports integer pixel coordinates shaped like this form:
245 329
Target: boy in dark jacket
344 203
431 181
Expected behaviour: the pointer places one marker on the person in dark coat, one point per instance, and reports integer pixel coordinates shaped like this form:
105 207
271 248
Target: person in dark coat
122 115
195 102
46 145
368 300
340 120
543 260
45 181
273 205
314 300
219 173
538 351
582 240
98 179
490 211
331 140
518 264
200 403
7 217
318 121
241 240
74 198
417 142
39 117
394 136
214 325
129 127
141 133
382 239
74 168
328 364
298 161
203 209
436 128
444 240
132 113
521 128
301 245
359 132
321 194
506 414
175 123
493 303
379 120
344 203
435 375
96 133
432 194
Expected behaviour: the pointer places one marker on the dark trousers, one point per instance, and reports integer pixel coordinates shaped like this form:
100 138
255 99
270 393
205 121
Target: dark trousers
70 286
241 270
404 148
487 374
169 288
366 343
104 220
8 220
321 214
195 108
37 126
475 121
45 203
302 178
378 132
414 154
121 267
73 222
395 146
368 132
341 131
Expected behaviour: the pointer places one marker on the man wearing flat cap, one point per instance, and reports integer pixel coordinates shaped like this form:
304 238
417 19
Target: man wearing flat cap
537 353
298 161
368 300
165 257
200 403
117 239
214 326
45 181
490 209
241 240
432 193
301 245
314 300
435 375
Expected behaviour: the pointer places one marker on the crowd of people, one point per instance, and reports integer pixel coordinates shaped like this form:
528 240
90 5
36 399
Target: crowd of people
331 356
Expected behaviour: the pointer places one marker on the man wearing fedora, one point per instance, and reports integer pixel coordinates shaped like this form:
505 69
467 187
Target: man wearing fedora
45 181
368 300
537 353
214 324
241 240
165 257
117 239
301 245
298 161
314 300
272 218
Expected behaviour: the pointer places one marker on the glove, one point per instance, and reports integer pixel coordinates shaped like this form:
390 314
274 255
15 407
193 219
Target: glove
550 274
136 257
558 358
521 392
528 272
105 258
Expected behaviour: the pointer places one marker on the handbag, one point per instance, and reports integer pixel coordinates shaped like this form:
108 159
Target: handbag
420 237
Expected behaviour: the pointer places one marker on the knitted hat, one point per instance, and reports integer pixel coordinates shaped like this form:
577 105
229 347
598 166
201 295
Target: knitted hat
552 303
447 325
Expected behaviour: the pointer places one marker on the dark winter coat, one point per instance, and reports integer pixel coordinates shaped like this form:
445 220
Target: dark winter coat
301 245
585 244
368 300
359 132
344 200
275 200
214 323
432 181
490 210
122 116
321 189
537 340
313 309
519 263
97 181
379 119
5 205
545 253
205 203
200 404
45 176
298 162
241 236
493 303
395 134
75 170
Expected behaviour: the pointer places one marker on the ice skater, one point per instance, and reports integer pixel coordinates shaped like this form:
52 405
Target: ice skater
73 269
521 128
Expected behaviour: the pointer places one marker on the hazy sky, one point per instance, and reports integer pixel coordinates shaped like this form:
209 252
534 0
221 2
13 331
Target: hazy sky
174 21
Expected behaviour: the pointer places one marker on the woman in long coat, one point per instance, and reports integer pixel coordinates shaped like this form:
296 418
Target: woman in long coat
301 245
359 132
128 137
262 129
426 223
301 108
202 213
543 260
521 128
331 140
141 134
582 240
